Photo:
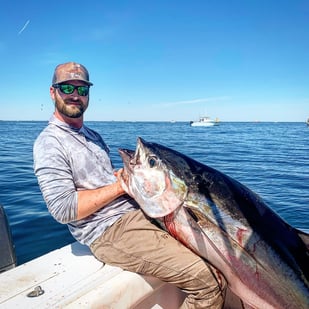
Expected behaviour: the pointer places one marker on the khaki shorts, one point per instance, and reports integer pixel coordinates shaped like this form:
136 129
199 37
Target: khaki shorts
136 244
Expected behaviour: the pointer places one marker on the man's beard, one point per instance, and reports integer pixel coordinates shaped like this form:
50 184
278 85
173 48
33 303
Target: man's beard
71 109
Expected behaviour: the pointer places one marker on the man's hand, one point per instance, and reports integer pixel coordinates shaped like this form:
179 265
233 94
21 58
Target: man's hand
123 179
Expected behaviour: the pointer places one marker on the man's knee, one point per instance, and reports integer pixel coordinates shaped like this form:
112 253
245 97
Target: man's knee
207 290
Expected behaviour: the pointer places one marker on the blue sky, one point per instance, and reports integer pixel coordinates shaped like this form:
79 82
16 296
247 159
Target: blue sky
238 60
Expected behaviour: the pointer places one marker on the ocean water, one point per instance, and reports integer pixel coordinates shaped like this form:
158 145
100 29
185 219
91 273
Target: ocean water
272 159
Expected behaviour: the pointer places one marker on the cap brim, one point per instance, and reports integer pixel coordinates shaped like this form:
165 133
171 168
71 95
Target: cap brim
82 80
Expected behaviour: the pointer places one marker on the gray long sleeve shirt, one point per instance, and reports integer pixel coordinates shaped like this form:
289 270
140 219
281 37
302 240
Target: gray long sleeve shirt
67 160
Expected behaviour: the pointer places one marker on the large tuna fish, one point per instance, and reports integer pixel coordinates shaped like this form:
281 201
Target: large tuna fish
264 260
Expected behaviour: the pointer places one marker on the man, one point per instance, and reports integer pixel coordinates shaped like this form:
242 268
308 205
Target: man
77 181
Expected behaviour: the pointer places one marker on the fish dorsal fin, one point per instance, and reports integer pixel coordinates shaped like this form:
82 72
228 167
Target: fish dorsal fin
304 237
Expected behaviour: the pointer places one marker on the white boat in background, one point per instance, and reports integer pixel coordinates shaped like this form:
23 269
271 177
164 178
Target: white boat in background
204 121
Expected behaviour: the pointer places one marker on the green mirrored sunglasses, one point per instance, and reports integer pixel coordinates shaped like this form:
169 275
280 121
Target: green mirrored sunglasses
69 89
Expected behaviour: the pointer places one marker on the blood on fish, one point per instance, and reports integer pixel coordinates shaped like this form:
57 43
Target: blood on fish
170 225
240 234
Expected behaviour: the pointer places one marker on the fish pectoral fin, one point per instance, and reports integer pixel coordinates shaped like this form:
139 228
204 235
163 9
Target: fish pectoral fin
199 217
208 228
195 215
304 237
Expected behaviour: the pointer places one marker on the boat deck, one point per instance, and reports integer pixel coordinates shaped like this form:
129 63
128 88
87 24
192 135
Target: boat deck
71 277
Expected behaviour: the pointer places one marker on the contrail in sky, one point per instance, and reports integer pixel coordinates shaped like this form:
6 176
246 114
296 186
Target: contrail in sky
24 27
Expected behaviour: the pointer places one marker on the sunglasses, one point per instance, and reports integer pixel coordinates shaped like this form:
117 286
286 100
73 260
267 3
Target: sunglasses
69 89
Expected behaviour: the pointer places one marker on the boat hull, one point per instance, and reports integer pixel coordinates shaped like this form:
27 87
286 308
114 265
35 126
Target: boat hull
201 124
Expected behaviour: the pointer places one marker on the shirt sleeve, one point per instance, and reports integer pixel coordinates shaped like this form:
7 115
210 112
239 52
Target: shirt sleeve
55 178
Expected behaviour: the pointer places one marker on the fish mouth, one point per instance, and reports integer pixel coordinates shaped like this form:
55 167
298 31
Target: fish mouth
127 156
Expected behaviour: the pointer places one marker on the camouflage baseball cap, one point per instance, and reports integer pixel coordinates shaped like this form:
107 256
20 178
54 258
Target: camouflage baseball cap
71 71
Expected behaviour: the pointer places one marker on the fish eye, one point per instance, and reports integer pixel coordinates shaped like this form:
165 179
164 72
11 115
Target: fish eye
152 162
